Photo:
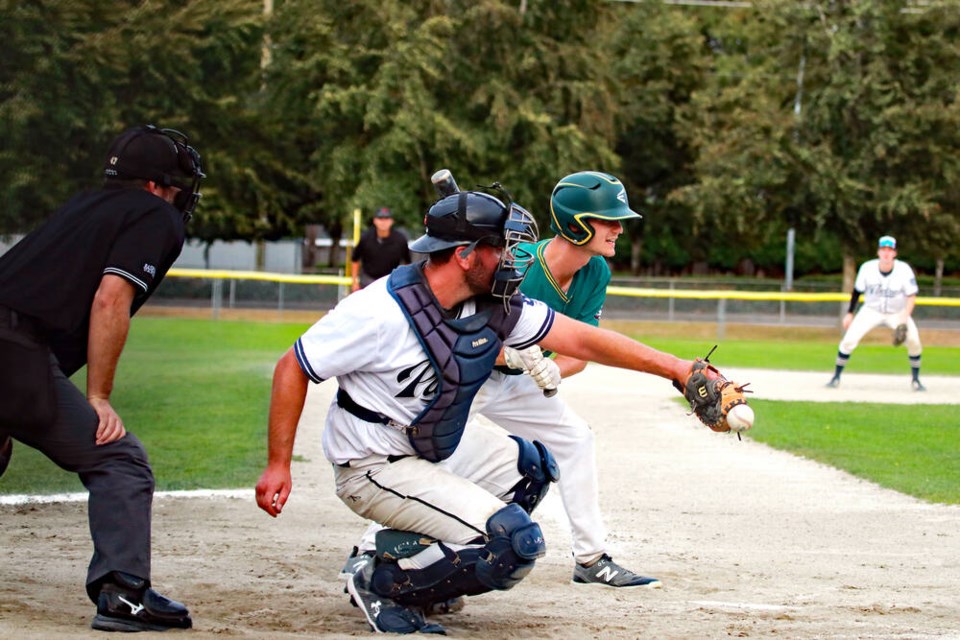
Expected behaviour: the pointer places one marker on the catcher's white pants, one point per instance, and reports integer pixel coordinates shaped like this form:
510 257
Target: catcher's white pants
868 319
517 404
450 501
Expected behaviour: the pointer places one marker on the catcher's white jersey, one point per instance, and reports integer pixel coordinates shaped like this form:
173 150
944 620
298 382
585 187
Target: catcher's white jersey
886 293
366 343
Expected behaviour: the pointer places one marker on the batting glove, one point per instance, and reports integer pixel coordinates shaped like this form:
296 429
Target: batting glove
531 361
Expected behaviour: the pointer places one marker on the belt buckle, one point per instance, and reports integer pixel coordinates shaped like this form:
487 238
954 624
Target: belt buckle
393 424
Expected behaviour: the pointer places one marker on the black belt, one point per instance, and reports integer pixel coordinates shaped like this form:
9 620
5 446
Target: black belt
16 321
507 370
350 406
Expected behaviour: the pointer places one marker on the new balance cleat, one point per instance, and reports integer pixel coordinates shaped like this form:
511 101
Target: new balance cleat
383 614
833 384
126 604
606 572
918 386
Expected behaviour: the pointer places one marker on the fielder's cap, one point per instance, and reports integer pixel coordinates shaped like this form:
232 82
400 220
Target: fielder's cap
383 213
887 241
149 153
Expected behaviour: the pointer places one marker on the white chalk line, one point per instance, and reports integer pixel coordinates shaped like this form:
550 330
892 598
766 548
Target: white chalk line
53 498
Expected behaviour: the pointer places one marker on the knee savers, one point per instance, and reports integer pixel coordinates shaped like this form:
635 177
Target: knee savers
513 545
539 469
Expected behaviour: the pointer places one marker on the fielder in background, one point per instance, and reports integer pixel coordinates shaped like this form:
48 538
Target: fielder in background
380 250
67 292
410 353
889 290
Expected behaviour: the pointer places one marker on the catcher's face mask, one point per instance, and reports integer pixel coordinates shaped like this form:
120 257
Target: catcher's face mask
519 228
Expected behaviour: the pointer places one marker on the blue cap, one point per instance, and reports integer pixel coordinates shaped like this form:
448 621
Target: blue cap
887 241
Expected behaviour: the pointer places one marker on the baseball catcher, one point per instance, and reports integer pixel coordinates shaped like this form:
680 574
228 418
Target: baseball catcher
710 394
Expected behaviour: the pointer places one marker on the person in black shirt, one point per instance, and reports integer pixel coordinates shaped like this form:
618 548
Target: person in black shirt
380 251
67 292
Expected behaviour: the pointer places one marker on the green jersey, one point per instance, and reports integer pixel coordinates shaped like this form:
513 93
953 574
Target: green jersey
582 301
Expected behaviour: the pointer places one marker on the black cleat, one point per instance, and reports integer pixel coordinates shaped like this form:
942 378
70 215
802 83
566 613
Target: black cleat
383 614
127 604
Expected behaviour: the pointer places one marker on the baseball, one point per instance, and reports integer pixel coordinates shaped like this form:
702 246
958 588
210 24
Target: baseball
740 418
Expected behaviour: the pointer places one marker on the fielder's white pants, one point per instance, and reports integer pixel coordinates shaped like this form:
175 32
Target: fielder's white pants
449 501
517 404
868 319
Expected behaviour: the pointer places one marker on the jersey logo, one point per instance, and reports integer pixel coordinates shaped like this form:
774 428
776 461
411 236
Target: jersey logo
422 379
149 268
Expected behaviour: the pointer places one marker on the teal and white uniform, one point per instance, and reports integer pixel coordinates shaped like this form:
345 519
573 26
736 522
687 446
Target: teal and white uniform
517 404
584 299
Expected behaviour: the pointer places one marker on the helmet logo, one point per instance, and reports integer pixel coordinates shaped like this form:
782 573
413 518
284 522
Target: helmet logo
622 196
113 160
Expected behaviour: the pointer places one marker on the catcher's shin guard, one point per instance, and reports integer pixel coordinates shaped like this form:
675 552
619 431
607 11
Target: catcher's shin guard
514 543
539 469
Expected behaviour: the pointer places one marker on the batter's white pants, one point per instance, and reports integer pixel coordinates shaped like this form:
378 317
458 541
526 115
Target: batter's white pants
450 501
868 319
517 404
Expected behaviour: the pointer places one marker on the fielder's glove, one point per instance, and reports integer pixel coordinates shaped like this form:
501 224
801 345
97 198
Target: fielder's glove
711 396
531 361
899 335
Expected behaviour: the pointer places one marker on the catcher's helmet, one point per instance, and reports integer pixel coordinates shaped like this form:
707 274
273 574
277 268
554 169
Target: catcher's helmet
466 218
159 155
581 196
460 219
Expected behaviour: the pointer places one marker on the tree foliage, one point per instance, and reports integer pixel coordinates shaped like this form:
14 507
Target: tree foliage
838 118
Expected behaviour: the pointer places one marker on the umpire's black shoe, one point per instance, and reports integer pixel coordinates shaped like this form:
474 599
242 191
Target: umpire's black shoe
6 450
126 603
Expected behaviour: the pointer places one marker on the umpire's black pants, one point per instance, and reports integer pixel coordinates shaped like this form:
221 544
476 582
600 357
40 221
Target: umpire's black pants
117 475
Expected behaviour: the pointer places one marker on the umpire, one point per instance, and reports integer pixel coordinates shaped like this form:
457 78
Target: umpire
67 292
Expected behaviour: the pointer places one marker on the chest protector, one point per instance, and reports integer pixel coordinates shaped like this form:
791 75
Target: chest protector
462 353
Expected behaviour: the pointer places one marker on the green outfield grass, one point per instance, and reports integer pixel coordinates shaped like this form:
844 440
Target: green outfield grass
914 449
196 392
812 356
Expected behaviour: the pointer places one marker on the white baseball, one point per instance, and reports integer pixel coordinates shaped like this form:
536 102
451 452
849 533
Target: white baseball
740 418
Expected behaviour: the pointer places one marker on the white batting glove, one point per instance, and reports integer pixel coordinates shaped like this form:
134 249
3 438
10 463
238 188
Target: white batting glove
531 361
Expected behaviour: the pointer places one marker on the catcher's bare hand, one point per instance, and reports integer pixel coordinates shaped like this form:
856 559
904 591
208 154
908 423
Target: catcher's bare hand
273 489
710 394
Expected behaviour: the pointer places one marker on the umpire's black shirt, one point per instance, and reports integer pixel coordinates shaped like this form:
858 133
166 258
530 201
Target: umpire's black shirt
53 273
379 256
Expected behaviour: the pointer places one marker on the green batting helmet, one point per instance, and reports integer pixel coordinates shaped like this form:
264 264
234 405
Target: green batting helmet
584 195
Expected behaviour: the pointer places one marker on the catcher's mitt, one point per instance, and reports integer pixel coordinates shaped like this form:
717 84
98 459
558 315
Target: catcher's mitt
899 335
711 396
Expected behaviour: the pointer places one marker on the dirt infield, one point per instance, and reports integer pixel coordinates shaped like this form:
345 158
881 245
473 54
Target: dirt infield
748 541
